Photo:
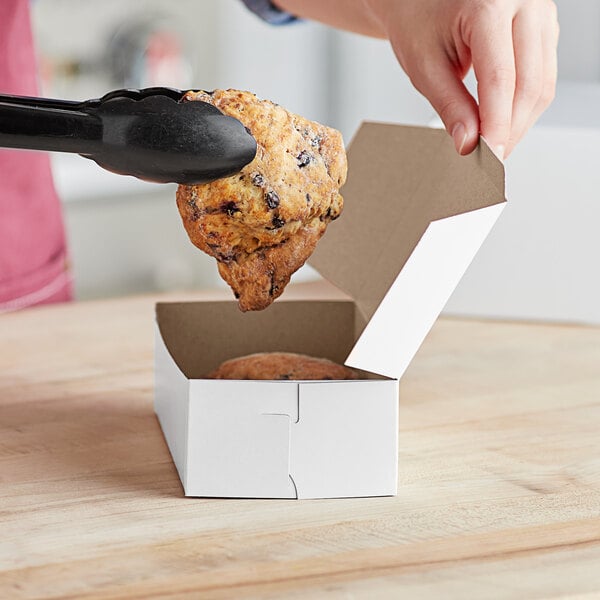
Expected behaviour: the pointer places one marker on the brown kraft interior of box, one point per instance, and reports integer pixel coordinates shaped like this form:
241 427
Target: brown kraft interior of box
201 335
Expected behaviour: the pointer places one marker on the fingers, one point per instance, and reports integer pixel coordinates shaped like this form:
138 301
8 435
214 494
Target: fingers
511 45
529 63
549 45
437 79
514 58
535 59
491 43
550 58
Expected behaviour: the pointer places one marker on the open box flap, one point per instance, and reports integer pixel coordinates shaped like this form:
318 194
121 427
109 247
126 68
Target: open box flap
407 189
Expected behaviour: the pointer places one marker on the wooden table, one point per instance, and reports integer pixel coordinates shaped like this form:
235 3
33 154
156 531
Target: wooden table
499 475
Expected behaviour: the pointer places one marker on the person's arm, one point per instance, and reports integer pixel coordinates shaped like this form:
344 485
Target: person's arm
511 45
352 15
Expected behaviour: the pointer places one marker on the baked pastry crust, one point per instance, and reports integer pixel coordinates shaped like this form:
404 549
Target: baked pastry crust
263 223
281 365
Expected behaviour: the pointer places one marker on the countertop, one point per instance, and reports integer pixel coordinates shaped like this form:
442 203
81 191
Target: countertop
499 483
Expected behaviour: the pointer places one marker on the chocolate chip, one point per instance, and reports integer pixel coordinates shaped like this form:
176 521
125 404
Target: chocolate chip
327 215
196 213
258 179
316 141
274 287
278 222
304 159
272 199
308 198
230 208
224 257
237 296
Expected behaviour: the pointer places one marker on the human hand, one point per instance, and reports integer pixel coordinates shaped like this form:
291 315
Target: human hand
511 45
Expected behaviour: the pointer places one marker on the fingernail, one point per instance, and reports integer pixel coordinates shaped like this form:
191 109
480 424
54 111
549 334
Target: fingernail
499 151
459 134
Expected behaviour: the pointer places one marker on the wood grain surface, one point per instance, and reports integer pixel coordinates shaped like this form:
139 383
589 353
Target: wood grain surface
499 491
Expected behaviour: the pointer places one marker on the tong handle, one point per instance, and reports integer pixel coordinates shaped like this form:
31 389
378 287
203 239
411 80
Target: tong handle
146 133
33 102
51 125
132 94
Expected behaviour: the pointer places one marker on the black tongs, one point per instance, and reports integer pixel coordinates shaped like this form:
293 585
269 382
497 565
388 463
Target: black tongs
147 133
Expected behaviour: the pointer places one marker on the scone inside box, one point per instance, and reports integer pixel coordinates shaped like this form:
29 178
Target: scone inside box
415 214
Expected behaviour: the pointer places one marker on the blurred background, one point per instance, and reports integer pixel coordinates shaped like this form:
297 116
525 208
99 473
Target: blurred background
126 236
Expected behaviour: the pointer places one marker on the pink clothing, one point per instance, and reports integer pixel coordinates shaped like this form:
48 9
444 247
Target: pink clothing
33 258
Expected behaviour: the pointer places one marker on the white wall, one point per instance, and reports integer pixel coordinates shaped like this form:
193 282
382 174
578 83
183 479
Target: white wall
368 84
540 262
289 65
579 49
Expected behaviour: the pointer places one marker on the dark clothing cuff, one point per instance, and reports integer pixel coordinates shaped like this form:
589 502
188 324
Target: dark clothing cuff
268 12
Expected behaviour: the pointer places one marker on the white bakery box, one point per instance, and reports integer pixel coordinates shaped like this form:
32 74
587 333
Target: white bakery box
415 214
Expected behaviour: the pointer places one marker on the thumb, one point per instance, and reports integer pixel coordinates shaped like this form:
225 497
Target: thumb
437 79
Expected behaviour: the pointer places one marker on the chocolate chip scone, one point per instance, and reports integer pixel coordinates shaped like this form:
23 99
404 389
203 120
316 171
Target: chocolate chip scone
263 223
281 365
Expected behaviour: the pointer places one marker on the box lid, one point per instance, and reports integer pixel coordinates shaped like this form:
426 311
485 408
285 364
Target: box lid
415 214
